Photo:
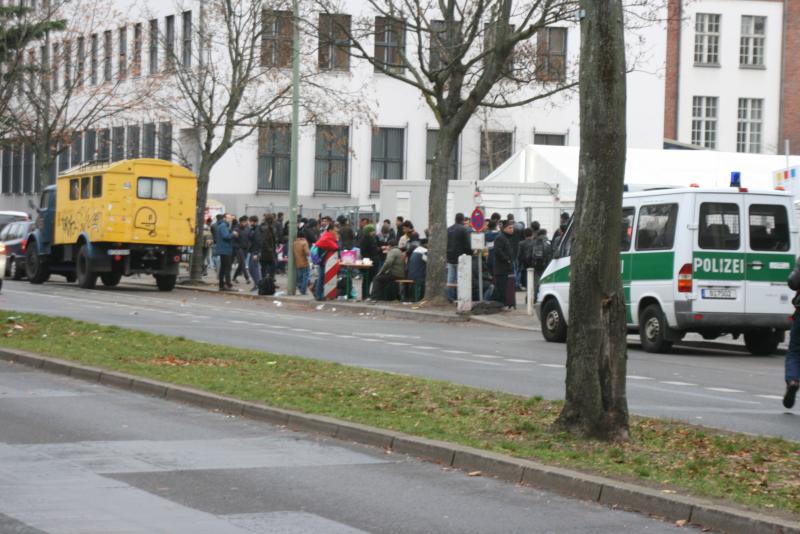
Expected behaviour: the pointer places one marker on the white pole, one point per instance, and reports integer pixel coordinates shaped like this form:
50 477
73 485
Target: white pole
529 308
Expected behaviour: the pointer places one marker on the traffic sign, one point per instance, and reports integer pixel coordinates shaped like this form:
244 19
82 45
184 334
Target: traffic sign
477 219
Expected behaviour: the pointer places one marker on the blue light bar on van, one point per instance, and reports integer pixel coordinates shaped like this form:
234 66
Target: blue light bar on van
736 179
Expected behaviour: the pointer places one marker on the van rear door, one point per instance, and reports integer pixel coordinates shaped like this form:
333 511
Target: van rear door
770 257
151 214
719 258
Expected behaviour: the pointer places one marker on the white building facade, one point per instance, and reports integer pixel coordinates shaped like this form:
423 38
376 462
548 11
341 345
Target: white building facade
395 143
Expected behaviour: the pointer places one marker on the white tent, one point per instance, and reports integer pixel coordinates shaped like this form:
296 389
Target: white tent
558 166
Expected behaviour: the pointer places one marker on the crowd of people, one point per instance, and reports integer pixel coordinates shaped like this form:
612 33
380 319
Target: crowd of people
257 250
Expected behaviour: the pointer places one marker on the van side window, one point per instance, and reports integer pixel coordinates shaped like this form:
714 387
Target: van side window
97 186
656 228
563 246
627 228
719 226
153 188
85 191
769 227
74 190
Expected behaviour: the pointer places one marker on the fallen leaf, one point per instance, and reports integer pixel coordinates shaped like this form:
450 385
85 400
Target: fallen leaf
475 473
681 523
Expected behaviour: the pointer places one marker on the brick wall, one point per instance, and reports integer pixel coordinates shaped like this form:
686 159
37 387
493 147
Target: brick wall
673 69
790 120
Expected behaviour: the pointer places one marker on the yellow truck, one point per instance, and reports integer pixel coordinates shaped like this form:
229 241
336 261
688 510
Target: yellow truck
114 219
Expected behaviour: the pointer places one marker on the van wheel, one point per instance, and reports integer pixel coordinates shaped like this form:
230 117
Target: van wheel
36 266
653 330
554 329
86 278
17 269
111 279
762 342
166 282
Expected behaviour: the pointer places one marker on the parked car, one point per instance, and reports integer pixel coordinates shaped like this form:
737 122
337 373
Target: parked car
7 217
14 238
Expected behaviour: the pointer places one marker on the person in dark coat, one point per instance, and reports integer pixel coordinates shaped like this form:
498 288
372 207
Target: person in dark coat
223 247
503 262
240 247
255 238
268 245
369 249
458 243
347 236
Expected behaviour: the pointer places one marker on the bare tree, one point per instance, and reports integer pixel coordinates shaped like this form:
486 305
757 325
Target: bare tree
71 80
596 404
463 55
235 82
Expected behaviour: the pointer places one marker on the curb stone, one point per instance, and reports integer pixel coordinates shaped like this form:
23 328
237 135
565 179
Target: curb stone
563 481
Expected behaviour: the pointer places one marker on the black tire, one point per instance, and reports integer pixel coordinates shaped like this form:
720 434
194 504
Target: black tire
36 266
762 342
653 329
111 279
166 282
86 278
554 329
71 277
17 269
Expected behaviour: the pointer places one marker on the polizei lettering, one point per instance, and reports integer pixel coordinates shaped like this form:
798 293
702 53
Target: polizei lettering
719 265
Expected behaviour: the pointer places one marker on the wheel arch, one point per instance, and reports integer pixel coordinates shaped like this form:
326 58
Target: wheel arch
643 303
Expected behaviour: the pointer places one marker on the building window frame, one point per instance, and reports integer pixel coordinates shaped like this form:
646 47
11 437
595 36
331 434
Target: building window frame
430 154
136 62
388 154
276 38
750 125
108 46
705 113
493 154
169 42
549 139
551 54
186 45
334 42
274 156
390 42
752 41
707 30
331 158
153 51
95 45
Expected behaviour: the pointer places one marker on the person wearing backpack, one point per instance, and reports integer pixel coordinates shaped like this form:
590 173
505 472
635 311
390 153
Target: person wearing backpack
525 255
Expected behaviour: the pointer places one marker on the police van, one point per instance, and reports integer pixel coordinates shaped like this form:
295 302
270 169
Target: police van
710 261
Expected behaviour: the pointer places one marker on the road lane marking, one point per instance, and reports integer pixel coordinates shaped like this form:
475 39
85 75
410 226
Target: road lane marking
725 390
514 360
457 359
637 377
423 348
770 397
677 383
489 356
553 365
455 352
395 343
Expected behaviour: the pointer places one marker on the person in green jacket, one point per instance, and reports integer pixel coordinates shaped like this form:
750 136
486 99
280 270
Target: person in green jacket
394 268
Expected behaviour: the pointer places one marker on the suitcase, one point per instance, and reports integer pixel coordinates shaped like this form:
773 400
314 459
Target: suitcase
266 286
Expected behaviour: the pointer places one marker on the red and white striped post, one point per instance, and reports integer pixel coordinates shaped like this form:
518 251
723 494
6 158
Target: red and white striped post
331 275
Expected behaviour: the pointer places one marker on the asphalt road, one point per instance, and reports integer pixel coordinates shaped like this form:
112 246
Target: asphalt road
721 388
80 458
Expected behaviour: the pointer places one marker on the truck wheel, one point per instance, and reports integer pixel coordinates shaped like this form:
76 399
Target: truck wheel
86 278
111 279
762 342
70 277
36 266
554 329
166 282
653 330
17 269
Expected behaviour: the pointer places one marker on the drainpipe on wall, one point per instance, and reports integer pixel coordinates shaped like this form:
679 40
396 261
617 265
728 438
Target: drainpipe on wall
783 79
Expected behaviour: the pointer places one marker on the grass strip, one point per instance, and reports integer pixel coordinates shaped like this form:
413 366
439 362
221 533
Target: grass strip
758 472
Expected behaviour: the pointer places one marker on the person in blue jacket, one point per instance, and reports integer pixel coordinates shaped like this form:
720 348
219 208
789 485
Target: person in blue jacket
223 248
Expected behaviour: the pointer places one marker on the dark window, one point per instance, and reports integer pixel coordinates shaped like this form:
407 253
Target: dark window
107 46
16 181
274 156
54 74
86 187
389 43
133 142
186 49
769 227
27 170
136 63
334 42
123 53
77 150
7 170
439 44
74 189
103 143
97 186
149 141
387 156
118 147
153 52
165 141
495 150
67 54
489 40
719 226
330 170
276 39
81 61
656 228
93 62
152 188
627 229
549 139
63 157
551 55
90 145
430 155
169 42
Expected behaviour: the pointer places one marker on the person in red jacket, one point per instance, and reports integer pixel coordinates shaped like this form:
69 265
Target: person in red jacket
328 244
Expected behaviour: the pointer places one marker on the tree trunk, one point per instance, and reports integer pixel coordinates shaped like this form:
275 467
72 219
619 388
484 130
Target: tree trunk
436 269
196 268
596 404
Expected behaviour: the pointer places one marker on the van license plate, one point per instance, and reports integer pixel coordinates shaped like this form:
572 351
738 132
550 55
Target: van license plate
718 293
